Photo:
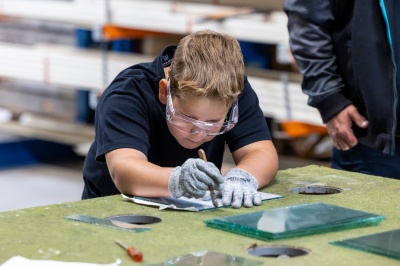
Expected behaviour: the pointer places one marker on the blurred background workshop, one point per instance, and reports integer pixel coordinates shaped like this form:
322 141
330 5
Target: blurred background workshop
57 56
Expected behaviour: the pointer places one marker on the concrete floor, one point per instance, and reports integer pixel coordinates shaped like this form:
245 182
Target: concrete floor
44 184
37 185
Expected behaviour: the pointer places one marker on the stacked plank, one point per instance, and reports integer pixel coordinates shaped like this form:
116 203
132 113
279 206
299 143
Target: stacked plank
63 65
159 16
76 68
284 100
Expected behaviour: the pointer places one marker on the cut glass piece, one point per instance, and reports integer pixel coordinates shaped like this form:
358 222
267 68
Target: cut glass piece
210 258
293 221
188 204
385 243
207 257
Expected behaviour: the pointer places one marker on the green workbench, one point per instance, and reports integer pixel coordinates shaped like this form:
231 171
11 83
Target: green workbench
43 233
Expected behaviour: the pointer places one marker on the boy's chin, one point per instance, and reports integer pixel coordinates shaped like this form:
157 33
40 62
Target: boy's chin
187 144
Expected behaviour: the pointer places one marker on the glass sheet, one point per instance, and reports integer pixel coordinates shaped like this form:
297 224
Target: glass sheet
207 257
187 204
294 221
385 243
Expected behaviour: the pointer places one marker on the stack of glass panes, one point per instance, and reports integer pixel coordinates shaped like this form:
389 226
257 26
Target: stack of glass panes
293 221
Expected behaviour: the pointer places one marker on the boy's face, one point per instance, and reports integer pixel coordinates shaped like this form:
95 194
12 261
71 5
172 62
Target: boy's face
190 135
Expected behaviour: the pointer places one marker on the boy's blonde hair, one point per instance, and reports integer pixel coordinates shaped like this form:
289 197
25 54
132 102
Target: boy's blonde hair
207 64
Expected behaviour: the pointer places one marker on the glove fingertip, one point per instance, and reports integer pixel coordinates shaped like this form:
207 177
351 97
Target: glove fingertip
237 201
248 203
226 196
226 201
257 199
236 205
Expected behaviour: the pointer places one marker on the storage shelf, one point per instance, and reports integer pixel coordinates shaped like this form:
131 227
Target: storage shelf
69 67
18 129
62 65
65 66
159 16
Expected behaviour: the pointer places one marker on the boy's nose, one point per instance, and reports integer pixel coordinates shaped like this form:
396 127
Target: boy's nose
199 132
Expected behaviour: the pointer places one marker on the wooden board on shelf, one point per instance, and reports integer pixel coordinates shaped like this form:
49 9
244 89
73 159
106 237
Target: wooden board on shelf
62 65
30 125
176 17
77 68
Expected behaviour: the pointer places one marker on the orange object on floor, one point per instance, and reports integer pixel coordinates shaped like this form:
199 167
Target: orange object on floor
296 129
307 140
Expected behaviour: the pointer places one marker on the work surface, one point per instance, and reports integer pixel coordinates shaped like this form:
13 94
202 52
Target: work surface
43 233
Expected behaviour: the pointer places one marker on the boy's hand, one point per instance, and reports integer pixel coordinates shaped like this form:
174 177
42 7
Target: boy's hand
240 185
193 178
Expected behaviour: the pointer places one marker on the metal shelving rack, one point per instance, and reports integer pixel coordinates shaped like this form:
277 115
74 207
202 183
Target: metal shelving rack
100 66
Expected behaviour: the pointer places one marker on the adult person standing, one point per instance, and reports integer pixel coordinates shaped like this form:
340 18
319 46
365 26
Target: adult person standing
348 52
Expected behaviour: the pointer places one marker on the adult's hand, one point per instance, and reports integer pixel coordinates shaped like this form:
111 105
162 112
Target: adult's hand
340 127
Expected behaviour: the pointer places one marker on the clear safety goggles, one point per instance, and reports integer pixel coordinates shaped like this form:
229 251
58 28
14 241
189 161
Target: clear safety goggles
189 125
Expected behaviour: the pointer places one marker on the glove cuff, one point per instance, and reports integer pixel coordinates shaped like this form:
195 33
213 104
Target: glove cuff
237 174
173 183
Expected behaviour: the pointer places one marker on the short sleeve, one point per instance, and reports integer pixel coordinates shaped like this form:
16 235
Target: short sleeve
121 119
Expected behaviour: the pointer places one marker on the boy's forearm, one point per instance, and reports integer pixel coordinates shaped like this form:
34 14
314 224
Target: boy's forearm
137 176
148 181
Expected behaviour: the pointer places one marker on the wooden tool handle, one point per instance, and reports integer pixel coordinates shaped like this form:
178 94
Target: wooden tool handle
202 155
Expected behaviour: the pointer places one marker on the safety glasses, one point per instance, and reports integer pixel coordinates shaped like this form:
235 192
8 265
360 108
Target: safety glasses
192 126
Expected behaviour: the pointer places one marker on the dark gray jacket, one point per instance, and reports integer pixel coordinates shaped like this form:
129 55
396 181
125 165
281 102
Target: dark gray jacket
345 51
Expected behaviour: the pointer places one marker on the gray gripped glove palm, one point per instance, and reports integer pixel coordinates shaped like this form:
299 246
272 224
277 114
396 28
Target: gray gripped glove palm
193 179
240 186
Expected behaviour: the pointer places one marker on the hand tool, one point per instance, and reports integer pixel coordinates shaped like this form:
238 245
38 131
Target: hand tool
132 252
203 156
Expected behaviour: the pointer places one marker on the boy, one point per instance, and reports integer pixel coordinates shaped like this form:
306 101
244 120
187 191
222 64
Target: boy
154 117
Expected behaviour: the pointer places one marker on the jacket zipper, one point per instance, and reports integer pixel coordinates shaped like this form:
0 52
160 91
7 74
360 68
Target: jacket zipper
393 135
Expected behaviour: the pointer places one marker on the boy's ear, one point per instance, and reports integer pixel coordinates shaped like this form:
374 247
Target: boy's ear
162 91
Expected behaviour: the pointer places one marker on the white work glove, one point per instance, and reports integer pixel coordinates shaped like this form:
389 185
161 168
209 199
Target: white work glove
193 179
240 186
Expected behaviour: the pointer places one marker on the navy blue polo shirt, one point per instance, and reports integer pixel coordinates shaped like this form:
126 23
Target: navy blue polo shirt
130 115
